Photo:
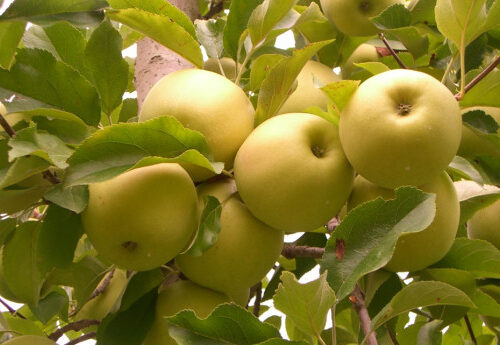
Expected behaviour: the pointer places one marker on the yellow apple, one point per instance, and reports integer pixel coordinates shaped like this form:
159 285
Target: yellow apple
143 218
352 17
415 251
245 251
228 66
484 224
292 173
471 144
206 102
400 127
29 340
311 78
363 53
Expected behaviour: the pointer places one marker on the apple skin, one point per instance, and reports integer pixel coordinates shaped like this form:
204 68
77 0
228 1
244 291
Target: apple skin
29 340
484 224
142 218
415 251
363 53
307 94
352 17
228 66
206 102
472 145
245 251
400 127
293 150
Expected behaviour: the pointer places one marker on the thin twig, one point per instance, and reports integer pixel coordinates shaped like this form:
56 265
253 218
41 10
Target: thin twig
291 251
11 310
469 328
478 78
358 300
103 285
392 336
84 337
74 326
258 299
393 53
215 8
334 329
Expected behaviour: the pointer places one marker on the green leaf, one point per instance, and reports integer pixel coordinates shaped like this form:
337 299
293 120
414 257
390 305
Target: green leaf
422 11
37 74
421 294
237 20
365 240
476 256
481 121
373 67
10 36
265 17
307 305
22 168
129 327
51 305
473 197
35 37
228 324
340 92
261 67
19 263
210 34
163 30
209 227
29 141
61 229
486 304
7 225
15 200
461 168
395 16
140 284
277 84
109 70
129 109
74 198
23 326
34 8
277 341
430 333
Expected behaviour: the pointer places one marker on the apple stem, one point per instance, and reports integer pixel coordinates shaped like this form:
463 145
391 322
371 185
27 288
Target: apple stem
84 337
258 299
291 251
469 328
11 310
393 52
478 78
392 336
358 300
74 326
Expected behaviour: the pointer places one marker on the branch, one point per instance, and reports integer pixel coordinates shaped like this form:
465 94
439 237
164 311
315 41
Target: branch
392 336
478 78
291 251
215 8
469 328
393 53
102 285
74 326
84 337
358 300
258 299
10 309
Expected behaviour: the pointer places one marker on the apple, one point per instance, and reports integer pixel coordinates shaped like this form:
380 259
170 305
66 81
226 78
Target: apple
245 251
292 173
471 144
308 93
484 224
363 53
415 251
29 340
400 127
228 66
142 218
352 17
206 102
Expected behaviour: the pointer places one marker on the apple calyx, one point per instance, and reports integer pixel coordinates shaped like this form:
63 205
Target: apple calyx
404 109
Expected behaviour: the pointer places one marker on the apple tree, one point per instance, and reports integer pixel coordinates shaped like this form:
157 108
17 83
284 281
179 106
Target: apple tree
217 187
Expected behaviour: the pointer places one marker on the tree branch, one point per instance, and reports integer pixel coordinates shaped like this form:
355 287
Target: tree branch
84 337
74 326
10 309
291 251
392 336
478 78
358 300
258 299
393 53
215 8
102 285
469 328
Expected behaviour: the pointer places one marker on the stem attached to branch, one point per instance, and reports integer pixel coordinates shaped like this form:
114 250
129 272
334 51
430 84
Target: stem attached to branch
84 337
469 328
291 251
478 78
358 300
258 299
74 326
393 53
392 336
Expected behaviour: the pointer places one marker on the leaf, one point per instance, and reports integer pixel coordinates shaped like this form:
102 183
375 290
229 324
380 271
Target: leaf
237 20
22 168
261 67
37 74
33 8
7 226
277 85
307 305
340 92
163 30
395 16
103 57
486 304
140 284
117 148
209 227
277 341
61 229
481 121
129 109
421 294
129 327
476 256
51 305
365 240
29 141
210 34
460 168
485 92
23 326
15 200
473 197
19 263
10 36
373 67
73 198
265 17
430 333
228 323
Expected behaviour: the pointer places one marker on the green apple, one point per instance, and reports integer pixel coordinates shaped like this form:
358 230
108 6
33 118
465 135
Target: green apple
471 144
352 17
292 173
484 224
308 93
29 340
363 53
206 102
415 251
178 296
228 66
245 251
143 218
400 127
